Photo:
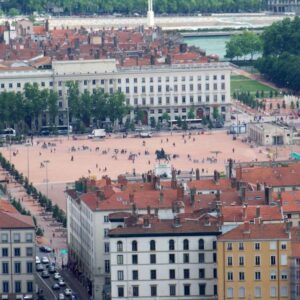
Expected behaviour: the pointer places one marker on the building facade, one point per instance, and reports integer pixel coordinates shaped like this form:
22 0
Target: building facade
253 262
282 6
155 89
17 256
164 259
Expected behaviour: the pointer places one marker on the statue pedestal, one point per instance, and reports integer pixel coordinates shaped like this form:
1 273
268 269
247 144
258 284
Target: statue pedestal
163 170
150 18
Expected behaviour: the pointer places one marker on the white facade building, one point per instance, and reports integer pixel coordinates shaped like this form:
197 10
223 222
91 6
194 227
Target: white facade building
164 259
155 89
17 256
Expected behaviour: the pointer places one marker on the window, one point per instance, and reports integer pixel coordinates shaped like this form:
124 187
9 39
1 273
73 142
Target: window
229 293
135 291
186 289
229 261
172 258
283 259
120 291
283 245
241 260
201 258
120 275
135 275
215 86
134 246
257 292
29 267
5 268
106 232
214 257
152 245
4 252
257 260
215 290
152 258
215 273
17 267
186 258
106 219
241 276
107 266
172 288
120 259
201 244
172 273
202 289
185 244
17 237
119 246
202 273
10 85
171 245
5 287
153 290
186 273
257 276
17 251
283 291
241 292
152 274
273 260
17 286
106 247
257 246
29 251
273 292
229 246
134 259
284 275
273 275
273 246
214 244
229 276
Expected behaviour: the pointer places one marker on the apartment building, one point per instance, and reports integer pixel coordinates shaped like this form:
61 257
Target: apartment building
164 259
155 89
17 255
283 6
253 262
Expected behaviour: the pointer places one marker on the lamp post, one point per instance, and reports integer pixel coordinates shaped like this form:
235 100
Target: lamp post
27 146
46 164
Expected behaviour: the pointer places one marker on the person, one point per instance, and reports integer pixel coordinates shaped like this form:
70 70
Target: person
72 158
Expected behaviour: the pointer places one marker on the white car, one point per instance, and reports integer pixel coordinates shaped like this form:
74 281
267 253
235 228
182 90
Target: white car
68 292
61 282
61 296
57 276
45 260
37 260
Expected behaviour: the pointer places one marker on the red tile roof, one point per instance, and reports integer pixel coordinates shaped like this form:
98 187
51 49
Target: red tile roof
222 184
290 201
5 206
256 232
15 221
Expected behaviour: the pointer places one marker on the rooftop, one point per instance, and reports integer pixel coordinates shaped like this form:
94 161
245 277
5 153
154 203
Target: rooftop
10 220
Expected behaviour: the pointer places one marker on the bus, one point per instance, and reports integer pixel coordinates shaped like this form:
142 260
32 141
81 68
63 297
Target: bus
60 129
8 132
191 124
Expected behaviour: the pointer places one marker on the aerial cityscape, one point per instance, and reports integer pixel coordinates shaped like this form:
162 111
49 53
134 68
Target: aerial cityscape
149 149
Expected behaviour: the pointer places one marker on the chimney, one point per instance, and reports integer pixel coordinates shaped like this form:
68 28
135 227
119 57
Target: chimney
131 198
233 183
161 197
134 209
246 228
243 194
156 212
206 221
192 195
230 166
180 193
146 222
288 226
173 180
258 186
152 60
244 212
107 180
148 210
257 212
238 172
176 221
169 59
267 195
218 196
216 176
197 174
183 48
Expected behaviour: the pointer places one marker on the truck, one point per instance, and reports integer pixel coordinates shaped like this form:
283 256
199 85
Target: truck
97 133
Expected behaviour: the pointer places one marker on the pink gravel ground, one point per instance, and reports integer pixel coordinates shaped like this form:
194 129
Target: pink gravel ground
62 170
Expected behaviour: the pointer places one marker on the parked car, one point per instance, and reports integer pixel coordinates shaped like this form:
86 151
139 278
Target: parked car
68 292
55 286
45 249
61 296
51 269
39 267
37 260
45 260
45 274
28 297
57 276
61 282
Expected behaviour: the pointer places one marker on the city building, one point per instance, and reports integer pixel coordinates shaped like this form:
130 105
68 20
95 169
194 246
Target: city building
164 259
253 262
283 6
295 264
17 256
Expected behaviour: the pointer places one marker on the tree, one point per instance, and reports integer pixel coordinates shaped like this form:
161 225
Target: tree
292 105
191 113
152 122
216 114
13 12
165 116
52 103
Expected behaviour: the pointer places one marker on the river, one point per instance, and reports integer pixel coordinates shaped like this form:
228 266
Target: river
212 44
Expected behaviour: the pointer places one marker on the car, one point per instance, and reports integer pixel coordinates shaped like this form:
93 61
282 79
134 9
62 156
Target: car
57 276
39 267
45 274
45 260
68 292
61 282
45 249
51 269
61 296
28 297
55 286
37 260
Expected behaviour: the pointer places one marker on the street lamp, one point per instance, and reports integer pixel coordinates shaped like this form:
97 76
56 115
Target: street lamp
27 146
46 164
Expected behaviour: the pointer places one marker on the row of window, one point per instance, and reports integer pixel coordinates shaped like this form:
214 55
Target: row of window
172 274
257 260
135 291
17 267
17 252
172 258
17 287
152 245
16 238
257 246
257 275
257 292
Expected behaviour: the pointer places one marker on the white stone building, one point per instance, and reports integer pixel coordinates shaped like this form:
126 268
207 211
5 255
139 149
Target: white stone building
164 259
17 256
155 89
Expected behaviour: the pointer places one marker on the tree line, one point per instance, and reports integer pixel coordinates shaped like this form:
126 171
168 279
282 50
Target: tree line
132 6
